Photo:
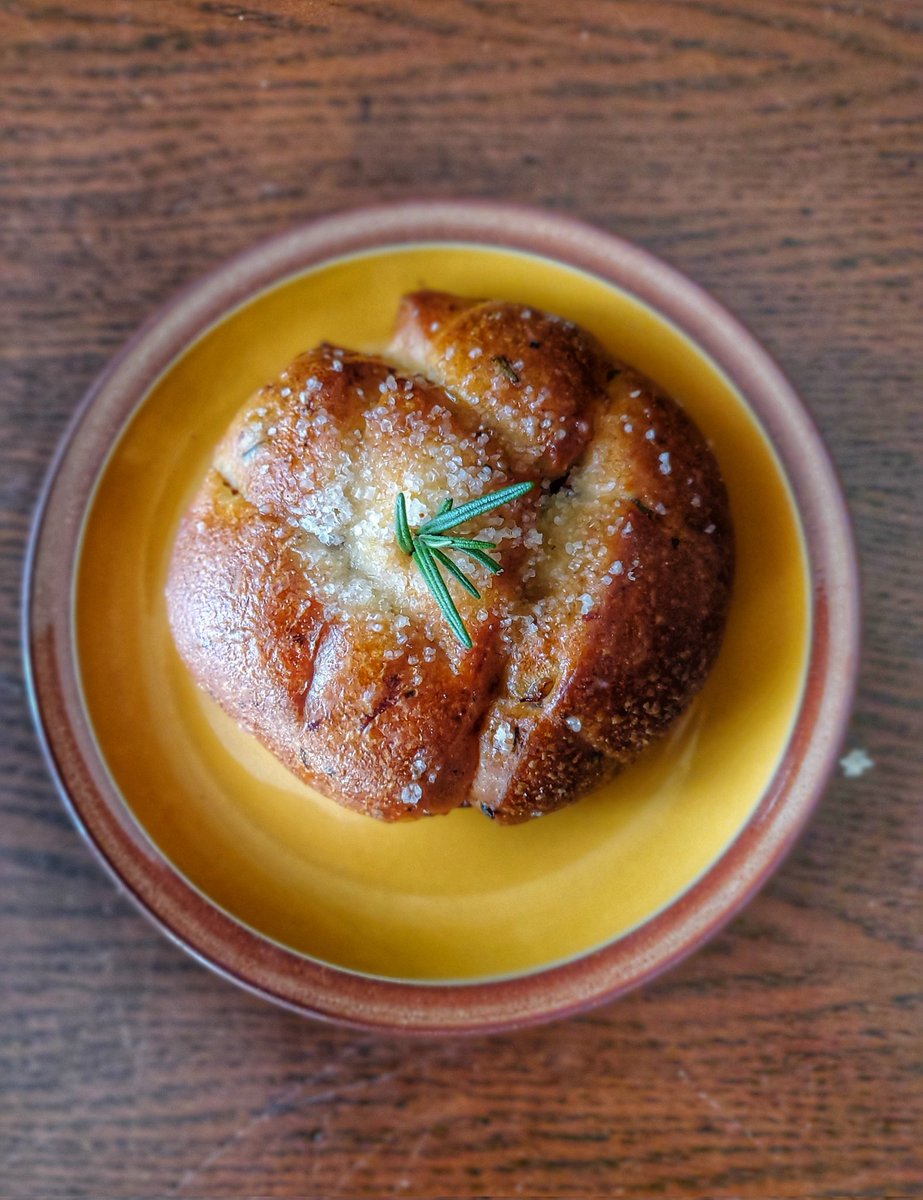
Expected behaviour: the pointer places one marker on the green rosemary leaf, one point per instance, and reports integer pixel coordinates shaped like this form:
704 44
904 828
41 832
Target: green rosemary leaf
474 508
438 539
436 584
400 524
461 543
484 559
459 574
446 506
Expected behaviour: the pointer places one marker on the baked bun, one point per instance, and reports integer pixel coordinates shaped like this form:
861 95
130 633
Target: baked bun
293 605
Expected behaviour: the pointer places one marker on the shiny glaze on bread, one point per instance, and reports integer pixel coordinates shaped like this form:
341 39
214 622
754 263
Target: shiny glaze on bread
294 607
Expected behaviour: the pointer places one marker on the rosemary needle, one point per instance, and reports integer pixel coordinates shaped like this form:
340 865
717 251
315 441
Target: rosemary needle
474 508
401 526
423 557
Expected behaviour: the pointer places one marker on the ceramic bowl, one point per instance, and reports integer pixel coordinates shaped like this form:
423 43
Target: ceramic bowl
449 924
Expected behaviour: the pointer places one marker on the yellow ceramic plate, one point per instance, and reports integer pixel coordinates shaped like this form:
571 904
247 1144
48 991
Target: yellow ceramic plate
457 897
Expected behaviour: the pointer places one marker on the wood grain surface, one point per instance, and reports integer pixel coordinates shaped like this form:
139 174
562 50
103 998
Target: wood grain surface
772 149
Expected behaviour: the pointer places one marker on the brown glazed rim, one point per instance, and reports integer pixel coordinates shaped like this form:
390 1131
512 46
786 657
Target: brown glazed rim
299 983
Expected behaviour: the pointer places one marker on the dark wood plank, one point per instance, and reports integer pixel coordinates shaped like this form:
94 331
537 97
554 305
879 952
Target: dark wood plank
773 149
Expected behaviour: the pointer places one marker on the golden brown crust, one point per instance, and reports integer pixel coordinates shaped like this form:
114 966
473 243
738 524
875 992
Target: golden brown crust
532 377
294 607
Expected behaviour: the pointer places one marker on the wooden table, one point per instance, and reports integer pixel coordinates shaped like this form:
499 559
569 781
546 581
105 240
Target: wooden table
769 148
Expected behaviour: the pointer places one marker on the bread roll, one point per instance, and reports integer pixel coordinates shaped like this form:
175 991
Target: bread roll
293 605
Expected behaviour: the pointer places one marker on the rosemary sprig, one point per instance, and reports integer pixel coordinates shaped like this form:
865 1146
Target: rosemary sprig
428 545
